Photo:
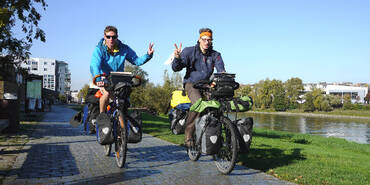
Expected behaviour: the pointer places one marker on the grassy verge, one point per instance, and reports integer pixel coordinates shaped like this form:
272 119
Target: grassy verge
299 158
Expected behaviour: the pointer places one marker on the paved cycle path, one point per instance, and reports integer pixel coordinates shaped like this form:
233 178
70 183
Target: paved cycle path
60 154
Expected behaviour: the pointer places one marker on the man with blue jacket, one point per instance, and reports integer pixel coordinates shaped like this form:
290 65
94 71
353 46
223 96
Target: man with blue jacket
110 55
199 61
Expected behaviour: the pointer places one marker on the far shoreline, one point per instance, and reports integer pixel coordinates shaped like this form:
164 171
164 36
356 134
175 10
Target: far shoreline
310 115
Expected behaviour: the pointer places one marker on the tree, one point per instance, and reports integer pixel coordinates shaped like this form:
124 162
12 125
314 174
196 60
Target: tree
264 94
293 87
367 98
308 104
279 102
17 49
83 92
244 90
347 104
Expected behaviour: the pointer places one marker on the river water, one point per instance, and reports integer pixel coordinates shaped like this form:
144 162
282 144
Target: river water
351 129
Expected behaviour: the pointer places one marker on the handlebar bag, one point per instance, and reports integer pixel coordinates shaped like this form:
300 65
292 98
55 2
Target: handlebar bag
104 134
224 85
245 127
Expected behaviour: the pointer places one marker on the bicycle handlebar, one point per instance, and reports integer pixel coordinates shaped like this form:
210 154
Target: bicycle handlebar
133 77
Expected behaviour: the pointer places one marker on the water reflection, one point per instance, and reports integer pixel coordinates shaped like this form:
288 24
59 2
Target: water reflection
357 130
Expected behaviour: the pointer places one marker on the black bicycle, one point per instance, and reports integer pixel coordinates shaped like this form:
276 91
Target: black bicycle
214 117
120 83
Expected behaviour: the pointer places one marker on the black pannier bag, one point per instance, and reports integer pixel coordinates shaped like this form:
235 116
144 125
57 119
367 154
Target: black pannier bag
245 128
211 141
134 123
104 134
93 109
177 121
224 85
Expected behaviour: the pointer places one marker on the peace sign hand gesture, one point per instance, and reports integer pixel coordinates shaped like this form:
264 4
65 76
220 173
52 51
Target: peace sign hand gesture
150 49
177 51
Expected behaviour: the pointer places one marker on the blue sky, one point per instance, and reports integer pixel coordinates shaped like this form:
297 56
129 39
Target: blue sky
313 40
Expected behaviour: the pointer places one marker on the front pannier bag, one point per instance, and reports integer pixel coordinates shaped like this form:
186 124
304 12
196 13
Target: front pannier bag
104 133
134 123
210 139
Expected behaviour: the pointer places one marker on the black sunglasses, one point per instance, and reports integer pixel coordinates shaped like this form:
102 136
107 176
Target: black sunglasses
114 37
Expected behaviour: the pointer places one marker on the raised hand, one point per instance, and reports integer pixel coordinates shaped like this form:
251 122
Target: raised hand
177 51
150 49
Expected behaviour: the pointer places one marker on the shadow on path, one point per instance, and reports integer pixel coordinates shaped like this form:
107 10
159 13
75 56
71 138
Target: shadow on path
47 160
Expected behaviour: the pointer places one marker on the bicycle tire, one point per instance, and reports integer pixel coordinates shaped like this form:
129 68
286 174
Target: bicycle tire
194 151
107 149
121 141
226 157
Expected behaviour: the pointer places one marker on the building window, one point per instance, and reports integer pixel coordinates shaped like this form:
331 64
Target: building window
45 63
34 68
45 69
34 63
52 63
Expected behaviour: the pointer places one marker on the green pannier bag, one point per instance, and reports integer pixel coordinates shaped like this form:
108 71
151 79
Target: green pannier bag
200 105
243 103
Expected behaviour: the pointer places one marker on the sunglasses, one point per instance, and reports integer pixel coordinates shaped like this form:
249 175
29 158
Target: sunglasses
109 37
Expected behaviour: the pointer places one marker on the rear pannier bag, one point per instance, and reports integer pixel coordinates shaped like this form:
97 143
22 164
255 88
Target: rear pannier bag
134 123
211 141
104 134
245 128
177 117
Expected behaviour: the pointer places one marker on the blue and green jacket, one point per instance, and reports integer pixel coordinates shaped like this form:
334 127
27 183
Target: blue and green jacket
103 62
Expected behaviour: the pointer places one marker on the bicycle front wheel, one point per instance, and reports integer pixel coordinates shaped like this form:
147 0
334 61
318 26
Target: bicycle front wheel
226 157
121 141
194 150
107 149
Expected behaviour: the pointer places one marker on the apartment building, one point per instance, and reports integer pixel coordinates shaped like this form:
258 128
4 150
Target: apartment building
56 75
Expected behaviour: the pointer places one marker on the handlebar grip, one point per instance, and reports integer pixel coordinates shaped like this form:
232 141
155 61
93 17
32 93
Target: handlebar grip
97 76
133 81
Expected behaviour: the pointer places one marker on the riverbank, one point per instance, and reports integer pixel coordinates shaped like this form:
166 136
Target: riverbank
334 114
299 158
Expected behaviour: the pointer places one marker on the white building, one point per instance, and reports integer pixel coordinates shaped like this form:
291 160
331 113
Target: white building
63 78
56 75
357 93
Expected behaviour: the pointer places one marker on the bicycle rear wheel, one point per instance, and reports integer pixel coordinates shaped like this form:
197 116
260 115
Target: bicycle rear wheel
107 149
226 157
121 141
194 151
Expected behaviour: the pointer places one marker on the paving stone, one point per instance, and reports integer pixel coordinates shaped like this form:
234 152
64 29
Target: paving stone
61 154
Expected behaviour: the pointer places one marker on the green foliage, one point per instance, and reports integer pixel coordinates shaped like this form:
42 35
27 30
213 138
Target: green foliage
293 87
83 91
244 90
25 13
347 104
308 104
156 97
279 102
62 98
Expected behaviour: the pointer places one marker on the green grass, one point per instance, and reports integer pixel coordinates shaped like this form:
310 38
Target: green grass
299 158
